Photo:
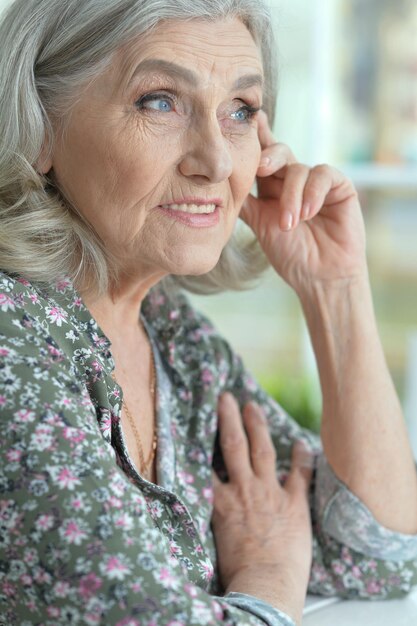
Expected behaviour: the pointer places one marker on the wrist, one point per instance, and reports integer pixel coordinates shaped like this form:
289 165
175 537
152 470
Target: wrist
333 310
322 294
278 586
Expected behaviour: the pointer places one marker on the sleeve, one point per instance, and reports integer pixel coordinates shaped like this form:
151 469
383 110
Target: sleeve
77 544
261 609
353 555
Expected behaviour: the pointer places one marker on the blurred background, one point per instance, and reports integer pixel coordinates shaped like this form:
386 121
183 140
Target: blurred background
348 96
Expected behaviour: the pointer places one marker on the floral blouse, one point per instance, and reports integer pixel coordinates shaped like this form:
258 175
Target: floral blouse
83 538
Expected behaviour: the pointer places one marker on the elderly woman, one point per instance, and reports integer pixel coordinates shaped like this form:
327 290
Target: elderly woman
131 133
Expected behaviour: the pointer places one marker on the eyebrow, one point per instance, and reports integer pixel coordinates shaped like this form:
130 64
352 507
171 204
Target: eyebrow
188 76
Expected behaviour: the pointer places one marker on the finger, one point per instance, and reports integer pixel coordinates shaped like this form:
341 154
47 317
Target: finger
261 448
302 463
292 195
266 138
322 181
274 158
274 154
233 440
216 483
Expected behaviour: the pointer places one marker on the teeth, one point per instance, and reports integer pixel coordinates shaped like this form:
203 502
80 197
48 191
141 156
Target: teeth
191 208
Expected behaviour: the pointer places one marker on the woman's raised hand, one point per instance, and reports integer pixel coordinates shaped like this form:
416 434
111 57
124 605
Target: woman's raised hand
262 530
307 220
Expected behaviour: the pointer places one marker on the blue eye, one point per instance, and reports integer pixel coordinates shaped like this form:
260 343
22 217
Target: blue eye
156 102
245 113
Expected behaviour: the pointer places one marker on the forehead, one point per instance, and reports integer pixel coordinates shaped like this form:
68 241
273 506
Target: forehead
223 48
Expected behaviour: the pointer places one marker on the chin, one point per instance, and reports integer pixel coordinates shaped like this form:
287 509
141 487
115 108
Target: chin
195 265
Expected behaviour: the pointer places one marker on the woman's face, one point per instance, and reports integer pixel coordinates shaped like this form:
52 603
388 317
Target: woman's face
165 133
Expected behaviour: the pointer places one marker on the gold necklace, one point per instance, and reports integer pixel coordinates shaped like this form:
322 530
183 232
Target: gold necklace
144 465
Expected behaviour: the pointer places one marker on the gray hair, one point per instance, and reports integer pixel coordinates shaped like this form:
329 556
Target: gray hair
50 50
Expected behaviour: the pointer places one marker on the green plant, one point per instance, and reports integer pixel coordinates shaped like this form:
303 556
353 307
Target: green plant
297 395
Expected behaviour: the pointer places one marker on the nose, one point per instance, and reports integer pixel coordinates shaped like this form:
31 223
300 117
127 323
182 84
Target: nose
207 157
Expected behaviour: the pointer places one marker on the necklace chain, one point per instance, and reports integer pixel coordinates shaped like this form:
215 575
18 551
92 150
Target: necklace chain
144 464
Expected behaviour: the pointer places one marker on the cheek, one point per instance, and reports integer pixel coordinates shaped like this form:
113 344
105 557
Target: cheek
246 164
145 156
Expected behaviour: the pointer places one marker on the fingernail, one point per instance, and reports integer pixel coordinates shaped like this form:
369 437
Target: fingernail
225 400
264 162
305 212
222 401
286 221
258 411
302 446
305 456
298 447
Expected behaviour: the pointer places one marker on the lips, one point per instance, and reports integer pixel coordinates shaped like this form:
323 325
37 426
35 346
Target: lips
194 212
191 208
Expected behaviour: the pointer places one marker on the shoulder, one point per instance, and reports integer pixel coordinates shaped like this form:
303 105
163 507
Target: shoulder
28 311
28 347
21 310
47 321
50 350
19 298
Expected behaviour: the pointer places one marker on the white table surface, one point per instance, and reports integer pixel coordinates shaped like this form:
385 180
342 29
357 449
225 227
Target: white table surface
334 612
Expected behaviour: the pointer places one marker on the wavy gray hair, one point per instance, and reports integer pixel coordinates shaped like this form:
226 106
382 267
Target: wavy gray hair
50 50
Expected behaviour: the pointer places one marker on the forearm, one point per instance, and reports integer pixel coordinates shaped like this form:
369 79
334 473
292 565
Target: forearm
363 430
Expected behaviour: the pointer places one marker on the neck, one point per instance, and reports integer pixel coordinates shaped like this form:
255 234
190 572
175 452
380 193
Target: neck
118 310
